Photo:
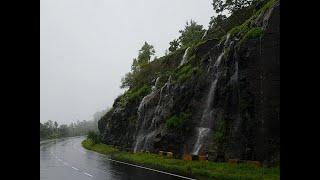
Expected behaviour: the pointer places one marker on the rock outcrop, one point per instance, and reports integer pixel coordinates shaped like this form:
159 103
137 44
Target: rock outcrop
225 96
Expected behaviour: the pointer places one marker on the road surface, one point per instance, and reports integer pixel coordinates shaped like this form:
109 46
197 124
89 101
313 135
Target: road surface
66 159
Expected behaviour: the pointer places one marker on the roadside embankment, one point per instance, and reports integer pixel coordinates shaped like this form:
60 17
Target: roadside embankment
196 169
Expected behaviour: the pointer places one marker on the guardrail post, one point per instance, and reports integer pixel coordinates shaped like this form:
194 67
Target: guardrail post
257 163
233 161
187 157
202 158
170 154
160 153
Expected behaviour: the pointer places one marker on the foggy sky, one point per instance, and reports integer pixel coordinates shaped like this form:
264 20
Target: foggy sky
87 46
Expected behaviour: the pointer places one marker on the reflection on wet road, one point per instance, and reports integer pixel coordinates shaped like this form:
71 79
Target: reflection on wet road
66 159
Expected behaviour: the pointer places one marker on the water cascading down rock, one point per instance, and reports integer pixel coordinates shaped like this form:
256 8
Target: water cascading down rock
225 93
205 126
142 128
185 57
148 115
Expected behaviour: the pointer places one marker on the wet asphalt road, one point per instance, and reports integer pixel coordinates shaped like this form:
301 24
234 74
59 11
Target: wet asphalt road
66 159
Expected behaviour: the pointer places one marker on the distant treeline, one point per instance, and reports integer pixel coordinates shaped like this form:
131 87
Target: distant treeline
51 129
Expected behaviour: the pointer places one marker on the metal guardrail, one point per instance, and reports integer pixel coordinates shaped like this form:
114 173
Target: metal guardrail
190 157
238 161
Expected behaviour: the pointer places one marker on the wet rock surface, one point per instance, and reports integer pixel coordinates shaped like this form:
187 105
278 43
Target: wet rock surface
242 115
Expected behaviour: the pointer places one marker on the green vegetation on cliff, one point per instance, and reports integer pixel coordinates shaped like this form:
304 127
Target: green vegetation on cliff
134 95
186 91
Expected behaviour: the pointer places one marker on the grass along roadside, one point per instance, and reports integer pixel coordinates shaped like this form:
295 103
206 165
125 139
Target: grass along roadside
100 148
197 169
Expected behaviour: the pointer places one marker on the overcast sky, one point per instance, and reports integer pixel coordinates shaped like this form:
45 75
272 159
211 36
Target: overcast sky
87 46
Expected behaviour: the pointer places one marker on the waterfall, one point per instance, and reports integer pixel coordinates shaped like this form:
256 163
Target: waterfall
185 56
144 101
204 35
148 138
142 132
204 130
141 136
138 143
154 87
207 113
157 82
227 39
202 133
143 141
165 88
145 133
217 63
234 77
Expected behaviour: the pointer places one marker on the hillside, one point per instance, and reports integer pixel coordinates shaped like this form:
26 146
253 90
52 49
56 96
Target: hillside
219 96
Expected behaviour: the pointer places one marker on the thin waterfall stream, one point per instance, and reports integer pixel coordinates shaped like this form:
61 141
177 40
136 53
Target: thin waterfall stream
204 129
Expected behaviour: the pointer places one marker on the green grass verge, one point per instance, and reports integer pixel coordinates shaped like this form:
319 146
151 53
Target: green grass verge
198 169
100 148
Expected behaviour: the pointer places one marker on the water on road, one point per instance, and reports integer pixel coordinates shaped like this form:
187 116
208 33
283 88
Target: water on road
66 159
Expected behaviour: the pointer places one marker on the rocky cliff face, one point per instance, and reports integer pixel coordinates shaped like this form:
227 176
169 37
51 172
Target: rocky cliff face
223 99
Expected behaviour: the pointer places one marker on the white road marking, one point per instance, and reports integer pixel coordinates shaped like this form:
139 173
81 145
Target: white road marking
88 174
74 168
59 160
171 174
152 169
142 167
